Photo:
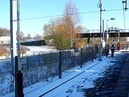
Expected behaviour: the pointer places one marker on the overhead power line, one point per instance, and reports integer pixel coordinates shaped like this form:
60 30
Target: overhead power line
114 10
32 18
41 17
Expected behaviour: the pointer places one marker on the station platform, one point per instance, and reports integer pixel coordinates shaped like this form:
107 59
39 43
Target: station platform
122 86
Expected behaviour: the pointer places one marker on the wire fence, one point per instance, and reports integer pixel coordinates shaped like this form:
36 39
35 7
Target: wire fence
44 67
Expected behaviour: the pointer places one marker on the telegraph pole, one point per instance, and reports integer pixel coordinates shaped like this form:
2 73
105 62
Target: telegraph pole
13 32
18 33
11 36
15 46
18 73
100 49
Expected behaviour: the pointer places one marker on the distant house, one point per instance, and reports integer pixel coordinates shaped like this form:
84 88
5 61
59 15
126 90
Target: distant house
4 40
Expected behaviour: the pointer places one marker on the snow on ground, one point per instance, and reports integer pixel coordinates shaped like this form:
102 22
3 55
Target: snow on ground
32 50
71 88
39 49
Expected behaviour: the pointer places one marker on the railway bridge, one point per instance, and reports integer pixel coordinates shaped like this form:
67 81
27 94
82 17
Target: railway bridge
111 33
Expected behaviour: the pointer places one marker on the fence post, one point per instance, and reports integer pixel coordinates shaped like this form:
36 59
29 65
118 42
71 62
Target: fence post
92 54
27 61
39 59
18 80
81 58
20 84
16 69
59 65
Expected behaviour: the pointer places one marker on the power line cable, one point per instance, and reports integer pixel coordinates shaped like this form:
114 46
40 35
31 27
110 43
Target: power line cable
62 15
57 15
114 10
41 17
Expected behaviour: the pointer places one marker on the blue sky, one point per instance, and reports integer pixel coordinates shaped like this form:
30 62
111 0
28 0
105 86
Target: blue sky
42 8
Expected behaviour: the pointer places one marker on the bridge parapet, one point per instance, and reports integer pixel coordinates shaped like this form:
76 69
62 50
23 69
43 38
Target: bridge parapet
98 31
112 33
93 31
124 30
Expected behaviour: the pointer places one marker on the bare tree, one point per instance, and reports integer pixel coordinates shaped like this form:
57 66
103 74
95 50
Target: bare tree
4 32
21 35
64 30
71 20
29 36
38 37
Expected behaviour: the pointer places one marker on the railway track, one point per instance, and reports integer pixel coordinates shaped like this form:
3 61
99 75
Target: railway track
69 79
112 84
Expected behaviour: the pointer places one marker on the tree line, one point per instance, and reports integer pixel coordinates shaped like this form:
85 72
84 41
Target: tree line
4 32
63 30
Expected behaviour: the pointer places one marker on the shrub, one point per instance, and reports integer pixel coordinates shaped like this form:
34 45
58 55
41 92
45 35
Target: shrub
4 51
23 50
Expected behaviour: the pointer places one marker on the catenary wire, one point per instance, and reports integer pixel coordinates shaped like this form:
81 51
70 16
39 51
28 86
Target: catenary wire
62 15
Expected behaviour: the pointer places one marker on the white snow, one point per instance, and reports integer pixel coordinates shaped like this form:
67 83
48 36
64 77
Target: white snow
39 49
72 88
33 50
2 38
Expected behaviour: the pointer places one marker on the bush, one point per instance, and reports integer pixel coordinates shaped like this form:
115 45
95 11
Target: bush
23 50
4 51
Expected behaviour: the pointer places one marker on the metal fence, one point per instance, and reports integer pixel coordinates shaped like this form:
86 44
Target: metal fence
44 67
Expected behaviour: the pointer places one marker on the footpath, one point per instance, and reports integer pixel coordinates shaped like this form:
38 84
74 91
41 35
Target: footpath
122 86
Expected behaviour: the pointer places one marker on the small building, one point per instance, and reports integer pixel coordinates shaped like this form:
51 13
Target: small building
4 40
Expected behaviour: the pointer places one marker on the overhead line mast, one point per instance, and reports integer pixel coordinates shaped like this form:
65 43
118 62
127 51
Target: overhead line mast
125 5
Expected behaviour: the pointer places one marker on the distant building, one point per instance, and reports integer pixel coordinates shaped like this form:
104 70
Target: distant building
32 42
4 40
127 39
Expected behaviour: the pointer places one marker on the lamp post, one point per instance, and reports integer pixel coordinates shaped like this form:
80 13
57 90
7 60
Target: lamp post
107 34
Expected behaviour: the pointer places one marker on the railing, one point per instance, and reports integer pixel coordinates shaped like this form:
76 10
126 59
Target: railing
44 67
98 30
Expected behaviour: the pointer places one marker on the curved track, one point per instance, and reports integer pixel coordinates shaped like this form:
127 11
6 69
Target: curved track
68 80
